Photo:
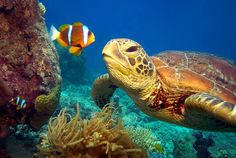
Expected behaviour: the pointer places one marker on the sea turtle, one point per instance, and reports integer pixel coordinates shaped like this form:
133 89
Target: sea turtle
191 89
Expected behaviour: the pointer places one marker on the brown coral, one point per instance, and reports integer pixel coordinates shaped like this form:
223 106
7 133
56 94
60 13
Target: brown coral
28 60
5 92
7 4
102 136
29 64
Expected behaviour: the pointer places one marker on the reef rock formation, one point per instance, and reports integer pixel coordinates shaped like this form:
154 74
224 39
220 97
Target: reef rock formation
29 65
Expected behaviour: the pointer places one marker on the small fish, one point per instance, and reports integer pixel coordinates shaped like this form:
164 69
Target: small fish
77 36
19 102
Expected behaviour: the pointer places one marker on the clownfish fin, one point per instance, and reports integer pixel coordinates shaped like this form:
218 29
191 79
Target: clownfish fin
54 33
77 24
91 39
75 50
11 101
61 42
18 107
24 106
63 27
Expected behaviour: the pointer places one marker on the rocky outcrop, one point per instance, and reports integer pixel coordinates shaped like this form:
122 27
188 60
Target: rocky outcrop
29 64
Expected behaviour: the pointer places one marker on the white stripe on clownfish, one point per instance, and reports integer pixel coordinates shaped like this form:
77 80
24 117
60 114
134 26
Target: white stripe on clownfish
17 100
85 34
22 103
69 34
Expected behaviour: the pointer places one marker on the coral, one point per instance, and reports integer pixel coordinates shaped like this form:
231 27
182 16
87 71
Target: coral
42 8
202 144
224 145
45 105
7 4
21 144
144 138
29 64
19 148
6 92
184 147
100 137
24 132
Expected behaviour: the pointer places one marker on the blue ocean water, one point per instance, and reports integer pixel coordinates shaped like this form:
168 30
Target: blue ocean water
158 25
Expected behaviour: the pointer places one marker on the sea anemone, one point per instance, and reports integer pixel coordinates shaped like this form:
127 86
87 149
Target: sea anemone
103 136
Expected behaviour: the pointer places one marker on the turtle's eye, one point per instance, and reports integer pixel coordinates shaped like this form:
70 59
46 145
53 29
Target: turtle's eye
132 49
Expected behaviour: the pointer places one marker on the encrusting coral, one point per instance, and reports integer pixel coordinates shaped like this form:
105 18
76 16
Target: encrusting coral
42 8
103 136
144 138
45 105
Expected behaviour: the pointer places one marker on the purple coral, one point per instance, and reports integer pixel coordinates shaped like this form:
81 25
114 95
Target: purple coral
28 60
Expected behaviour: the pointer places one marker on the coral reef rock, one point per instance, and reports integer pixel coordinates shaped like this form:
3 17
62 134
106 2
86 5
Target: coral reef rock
29 64
183 147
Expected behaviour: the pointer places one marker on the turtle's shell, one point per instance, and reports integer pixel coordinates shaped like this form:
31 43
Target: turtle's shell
197 72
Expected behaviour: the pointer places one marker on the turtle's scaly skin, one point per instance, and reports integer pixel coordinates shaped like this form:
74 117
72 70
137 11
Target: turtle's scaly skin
184 88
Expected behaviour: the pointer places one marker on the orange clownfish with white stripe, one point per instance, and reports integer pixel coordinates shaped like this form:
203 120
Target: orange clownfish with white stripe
77 36
19 102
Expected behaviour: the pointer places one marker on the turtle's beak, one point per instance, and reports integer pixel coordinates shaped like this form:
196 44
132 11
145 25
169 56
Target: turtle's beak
110 48
112 54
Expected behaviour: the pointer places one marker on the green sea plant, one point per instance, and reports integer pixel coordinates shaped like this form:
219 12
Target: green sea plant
102 136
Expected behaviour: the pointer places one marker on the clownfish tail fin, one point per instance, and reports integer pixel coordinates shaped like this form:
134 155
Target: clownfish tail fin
54 33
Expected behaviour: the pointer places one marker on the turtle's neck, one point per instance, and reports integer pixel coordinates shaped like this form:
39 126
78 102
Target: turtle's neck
144 96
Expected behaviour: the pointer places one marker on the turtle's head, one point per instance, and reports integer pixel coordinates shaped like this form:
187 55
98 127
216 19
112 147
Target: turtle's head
128 65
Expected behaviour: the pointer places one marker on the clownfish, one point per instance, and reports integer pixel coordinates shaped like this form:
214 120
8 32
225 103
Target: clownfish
19 102
77 36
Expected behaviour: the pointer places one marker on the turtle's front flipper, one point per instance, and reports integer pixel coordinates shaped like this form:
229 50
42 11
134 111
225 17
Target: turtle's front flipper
210 113
102 90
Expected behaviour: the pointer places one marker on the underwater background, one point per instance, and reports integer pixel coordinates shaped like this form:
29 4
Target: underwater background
158 25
